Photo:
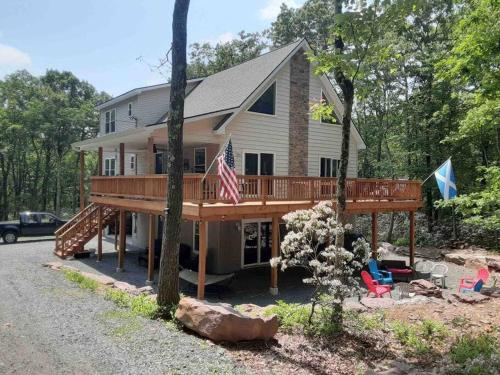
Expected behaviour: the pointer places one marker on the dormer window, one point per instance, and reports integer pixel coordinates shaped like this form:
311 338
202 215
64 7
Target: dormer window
266 104
110 123
330 120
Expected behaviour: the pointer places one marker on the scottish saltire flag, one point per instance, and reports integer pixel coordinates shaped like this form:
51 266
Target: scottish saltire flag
446 181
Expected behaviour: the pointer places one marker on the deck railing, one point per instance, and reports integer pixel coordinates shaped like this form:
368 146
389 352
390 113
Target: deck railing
257 188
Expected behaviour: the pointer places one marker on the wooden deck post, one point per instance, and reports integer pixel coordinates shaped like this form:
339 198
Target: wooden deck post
202 260
274 253
151 250
151 156
412 238
374 235
122 159
99 234
122 242
82 180
99 161
116 233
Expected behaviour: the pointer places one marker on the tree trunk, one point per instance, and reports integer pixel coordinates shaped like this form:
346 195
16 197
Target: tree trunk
168 287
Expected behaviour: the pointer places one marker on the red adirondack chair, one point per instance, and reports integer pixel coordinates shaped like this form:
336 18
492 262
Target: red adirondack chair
469 283
373 285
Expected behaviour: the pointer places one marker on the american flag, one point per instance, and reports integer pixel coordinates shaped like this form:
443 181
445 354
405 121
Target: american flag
227 175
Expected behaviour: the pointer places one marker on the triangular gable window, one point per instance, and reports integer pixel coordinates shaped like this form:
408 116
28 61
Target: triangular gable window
327 120
266 103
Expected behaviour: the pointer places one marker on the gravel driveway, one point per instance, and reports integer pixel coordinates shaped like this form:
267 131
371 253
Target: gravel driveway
50 326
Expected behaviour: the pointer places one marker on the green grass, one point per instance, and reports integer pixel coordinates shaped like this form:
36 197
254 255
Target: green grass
141 305
82 281
401 242
420 339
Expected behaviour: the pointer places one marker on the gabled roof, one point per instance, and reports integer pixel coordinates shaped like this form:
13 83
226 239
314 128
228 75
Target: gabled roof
230 88
138 91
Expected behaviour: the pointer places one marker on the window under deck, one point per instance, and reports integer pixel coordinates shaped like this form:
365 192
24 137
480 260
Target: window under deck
262 196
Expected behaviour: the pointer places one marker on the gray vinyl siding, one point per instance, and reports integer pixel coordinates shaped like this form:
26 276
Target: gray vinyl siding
152 105
325 140
123 122
253 132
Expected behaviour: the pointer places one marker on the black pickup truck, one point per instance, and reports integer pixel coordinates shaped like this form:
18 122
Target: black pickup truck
30 224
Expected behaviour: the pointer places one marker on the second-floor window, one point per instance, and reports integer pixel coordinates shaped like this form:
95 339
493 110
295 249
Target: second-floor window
110 167
328 167
199 160
110 123
266 104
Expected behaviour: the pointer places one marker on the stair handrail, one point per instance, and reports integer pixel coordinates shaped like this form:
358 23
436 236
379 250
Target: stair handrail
74 218
79 221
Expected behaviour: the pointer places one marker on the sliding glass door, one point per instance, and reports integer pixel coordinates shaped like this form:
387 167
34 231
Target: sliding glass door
256 242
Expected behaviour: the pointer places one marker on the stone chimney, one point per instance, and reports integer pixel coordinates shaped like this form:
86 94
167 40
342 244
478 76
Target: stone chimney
298 141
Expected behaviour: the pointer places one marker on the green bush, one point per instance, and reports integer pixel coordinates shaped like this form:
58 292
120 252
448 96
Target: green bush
290 315
401 242
468 347
419 339
82 281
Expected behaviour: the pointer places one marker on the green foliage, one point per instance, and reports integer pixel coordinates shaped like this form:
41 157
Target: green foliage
470 347
402 241
82 281
142 304
474 355
119 297
206 59
482 207
419 339
295 317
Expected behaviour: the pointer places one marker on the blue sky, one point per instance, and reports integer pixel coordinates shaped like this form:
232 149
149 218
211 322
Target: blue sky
100 40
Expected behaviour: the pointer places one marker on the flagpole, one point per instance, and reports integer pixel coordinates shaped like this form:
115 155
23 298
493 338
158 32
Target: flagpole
216 156
434 171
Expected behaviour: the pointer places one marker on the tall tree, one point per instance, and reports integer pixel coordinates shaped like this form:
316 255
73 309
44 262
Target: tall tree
168 285
206 59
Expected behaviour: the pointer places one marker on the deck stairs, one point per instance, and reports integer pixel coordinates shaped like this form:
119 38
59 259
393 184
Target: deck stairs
72 236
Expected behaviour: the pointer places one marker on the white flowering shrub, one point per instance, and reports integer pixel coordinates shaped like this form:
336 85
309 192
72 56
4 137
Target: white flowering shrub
310 243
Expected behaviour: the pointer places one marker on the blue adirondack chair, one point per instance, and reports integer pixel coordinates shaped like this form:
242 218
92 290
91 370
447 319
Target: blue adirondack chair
383 277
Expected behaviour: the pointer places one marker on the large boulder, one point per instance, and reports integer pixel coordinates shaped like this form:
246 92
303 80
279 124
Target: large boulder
220 322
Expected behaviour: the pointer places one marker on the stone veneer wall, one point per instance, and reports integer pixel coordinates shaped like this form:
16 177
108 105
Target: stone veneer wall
298 140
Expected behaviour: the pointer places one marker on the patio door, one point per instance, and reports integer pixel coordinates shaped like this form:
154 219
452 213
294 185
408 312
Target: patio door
256 242
257 164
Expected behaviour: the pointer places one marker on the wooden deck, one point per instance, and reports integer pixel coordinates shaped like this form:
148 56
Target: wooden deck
262 196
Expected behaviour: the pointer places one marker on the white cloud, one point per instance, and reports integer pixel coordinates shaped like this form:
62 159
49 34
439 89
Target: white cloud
12 57
272 9
222 38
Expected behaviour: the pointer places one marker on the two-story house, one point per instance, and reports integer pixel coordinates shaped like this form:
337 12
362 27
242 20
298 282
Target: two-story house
285 160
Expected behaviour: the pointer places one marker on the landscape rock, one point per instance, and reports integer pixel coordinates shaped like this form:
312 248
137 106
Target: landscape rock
377 303
70 268
355 306
252 310
101 279
472 257
471 298
491 292
221 322
145 290
126 287
494 265
413 300
53 265
426 288
387 246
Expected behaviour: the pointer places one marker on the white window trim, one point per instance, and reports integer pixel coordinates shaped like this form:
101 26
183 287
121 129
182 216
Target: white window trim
258 161
105 113
247 221
109 169
275 82
194 157
327 157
